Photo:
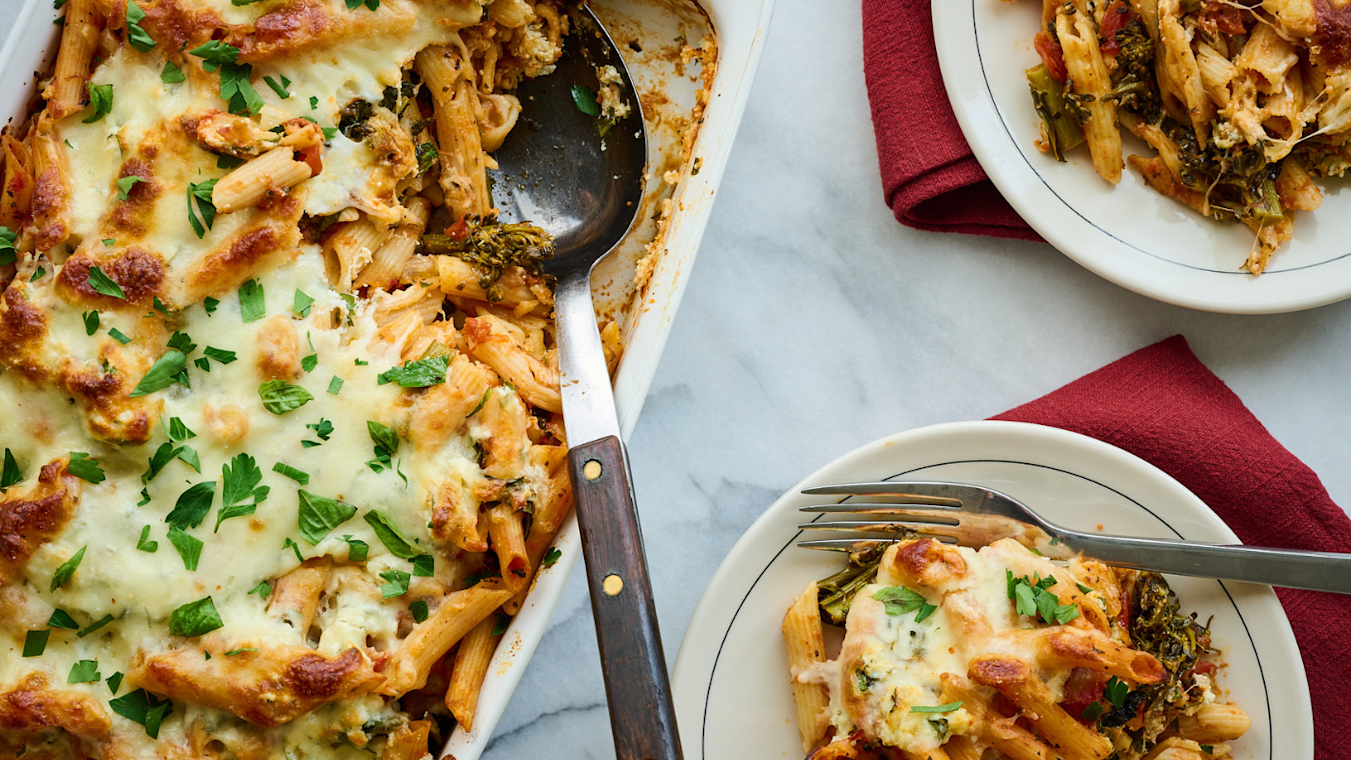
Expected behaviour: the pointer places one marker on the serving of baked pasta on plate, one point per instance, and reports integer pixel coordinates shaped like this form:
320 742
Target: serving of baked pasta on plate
282 444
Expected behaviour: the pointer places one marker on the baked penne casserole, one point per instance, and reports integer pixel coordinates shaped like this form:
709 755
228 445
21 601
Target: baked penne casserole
963 654
1244 104
282 438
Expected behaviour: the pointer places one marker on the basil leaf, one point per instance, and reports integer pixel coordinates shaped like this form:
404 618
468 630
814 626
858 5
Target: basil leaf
8 253
85 671
84 468
424 566
119 336
220 355
11 474
102 283
550 557
419 373
252 303
356 549
237 90
397 583
142 707
386 442
320 514
161 374
101 99
91 322
136 36
192 505
189 548
293 546
280 397
114 683
500 626
303 478
195 619
64 573
1091 712
419 610
949 707
1116 691
263 589
389 535
585 100
335 385
309 362
178 431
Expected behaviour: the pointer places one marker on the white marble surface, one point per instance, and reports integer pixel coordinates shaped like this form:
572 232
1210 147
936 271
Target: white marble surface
850 327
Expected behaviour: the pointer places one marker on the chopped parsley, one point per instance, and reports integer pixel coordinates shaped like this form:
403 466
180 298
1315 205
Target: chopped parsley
220 354
146 546
124 186
500 625
114 683
280 397
136 36
419 373
11 474
237 90
142 707
252 303
62 619
309 362
91 322
314 103
84 468
102 283
85 671
171 74
214 53
38 274
94 626
419 610
241 478
35 643
550 557
101 100
182 342
189 548
302 303
1091 712
8 253
119 336
192 505
900 600
303 478
227 162
263 589
322 429
320 514
195 619
1035 599
1084 588
1116 691
210 304
279 88
177 431
335 385
293 546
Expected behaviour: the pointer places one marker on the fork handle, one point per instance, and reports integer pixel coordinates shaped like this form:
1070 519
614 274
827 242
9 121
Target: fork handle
1288 568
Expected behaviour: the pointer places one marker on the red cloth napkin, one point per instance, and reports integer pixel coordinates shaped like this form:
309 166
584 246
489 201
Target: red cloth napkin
931 179
1161 404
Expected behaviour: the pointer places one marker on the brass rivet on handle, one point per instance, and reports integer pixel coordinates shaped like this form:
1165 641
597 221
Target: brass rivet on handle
612 585
592 469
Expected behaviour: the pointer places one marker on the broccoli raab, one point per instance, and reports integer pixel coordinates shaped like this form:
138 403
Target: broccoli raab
493 246
837 592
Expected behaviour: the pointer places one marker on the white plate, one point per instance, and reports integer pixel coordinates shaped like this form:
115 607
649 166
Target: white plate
1129 234
731 687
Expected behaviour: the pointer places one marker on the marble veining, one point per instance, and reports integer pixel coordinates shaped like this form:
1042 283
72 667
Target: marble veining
815 323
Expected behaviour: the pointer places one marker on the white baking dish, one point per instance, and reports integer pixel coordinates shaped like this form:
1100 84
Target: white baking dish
646 313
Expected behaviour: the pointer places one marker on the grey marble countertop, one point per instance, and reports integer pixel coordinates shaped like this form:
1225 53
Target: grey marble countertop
850 327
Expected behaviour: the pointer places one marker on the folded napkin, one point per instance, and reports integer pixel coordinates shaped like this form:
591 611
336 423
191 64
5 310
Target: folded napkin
931 178
1161 404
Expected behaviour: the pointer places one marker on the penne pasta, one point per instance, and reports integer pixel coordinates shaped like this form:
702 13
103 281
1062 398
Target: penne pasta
464 179
271 172
471 665
806 647
456 616
1083 61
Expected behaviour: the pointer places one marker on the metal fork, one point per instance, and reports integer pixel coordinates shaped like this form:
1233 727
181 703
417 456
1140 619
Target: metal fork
975 516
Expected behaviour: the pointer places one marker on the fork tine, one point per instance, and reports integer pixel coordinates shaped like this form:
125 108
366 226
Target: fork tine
872 525
851 544
896 507
934 492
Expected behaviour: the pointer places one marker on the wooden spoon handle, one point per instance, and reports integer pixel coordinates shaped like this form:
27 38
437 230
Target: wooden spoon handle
642 716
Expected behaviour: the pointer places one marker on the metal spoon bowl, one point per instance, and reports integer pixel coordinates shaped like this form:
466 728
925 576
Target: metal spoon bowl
562 169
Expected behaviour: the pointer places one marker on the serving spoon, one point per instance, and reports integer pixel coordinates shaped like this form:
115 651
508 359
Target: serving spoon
561 169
